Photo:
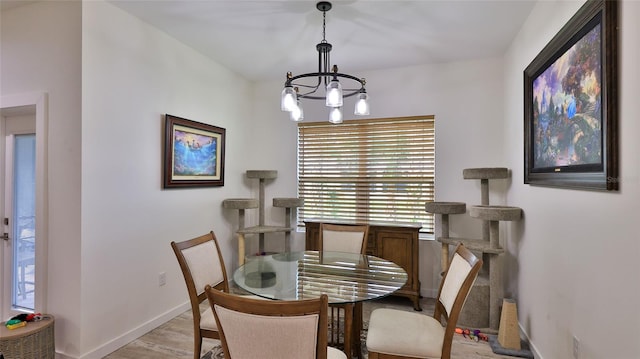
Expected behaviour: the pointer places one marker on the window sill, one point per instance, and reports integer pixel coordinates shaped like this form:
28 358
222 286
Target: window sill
427 237
421 236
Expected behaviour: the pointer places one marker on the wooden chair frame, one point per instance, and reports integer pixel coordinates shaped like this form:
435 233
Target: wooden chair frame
198 296
440 313
317 306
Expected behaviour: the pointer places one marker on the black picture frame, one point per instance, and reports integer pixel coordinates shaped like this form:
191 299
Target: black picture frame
571 104
193 154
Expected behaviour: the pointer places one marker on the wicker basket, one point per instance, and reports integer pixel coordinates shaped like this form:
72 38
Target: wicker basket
35 340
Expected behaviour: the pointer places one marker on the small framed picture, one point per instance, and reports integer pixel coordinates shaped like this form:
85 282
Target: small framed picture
193 154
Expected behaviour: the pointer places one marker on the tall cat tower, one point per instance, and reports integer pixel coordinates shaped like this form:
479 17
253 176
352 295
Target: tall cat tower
482 308
242 204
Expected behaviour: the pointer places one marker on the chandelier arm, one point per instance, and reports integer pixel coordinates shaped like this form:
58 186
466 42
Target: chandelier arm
312 90
321 74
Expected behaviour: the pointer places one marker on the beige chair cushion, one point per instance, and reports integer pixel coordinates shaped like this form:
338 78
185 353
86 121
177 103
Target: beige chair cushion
339 241
404 333
456 274
269 337
333 353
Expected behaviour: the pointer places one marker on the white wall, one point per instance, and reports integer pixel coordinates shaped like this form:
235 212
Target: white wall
132 75
41 52
573 261
569 259
466 99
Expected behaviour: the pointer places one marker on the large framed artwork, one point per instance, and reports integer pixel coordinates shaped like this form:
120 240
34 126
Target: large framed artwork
193 154
571 104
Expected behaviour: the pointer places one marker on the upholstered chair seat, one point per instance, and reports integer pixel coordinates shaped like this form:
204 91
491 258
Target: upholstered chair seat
399 334
405 333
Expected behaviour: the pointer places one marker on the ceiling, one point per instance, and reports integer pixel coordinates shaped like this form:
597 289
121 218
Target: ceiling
262 40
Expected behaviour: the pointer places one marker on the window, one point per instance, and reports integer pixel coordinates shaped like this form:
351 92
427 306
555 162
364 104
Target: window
373 170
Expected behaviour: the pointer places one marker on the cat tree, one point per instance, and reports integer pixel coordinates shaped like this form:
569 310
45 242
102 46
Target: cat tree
242 204
483 303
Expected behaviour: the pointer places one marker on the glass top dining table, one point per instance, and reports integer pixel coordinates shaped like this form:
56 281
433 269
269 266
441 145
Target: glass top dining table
344 277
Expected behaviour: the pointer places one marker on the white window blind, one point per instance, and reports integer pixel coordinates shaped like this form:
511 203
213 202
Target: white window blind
372 170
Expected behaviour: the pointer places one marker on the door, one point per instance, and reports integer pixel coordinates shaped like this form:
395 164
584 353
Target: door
18 215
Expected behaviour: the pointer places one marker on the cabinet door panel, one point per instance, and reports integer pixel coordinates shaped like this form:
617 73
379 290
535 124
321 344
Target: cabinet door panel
396 247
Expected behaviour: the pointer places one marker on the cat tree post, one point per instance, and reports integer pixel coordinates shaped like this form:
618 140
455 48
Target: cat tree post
493 215
288 204
483 301
444 209
261 175
241 204
484 175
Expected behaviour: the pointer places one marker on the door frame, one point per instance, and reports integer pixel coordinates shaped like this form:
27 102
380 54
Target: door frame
28 103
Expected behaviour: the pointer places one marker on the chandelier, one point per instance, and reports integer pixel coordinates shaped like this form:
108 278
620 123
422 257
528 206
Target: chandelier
324 84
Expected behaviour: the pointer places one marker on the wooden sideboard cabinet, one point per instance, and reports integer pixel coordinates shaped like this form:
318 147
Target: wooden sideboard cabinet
397 242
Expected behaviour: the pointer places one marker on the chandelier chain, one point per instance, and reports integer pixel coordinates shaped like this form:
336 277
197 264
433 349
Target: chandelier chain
324 26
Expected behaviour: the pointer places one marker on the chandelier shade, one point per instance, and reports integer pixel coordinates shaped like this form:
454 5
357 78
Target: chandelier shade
297 113
289 99
362 104
325 83
335 115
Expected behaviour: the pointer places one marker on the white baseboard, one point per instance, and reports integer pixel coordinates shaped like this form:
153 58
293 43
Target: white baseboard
126 338
534 350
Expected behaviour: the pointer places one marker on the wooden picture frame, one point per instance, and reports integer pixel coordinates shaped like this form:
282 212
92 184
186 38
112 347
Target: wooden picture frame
193 154
571 104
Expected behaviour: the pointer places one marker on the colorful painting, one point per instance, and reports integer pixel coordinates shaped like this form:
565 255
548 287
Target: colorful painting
194 154
570 103
567 111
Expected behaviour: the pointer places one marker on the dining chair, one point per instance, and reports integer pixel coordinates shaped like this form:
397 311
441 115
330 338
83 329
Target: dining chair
399 334
202 265
343 238
351 239
269 329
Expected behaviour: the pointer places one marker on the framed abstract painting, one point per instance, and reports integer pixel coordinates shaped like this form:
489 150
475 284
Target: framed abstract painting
193 154
571 104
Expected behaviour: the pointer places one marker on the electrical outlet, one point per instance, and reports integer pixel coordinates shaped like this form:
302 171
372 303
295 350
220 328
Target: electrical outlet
162 278
576 347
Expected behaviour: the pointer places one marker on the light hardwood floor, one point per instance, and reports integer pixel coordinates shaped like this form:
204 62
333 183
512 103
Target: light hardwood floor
174 339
